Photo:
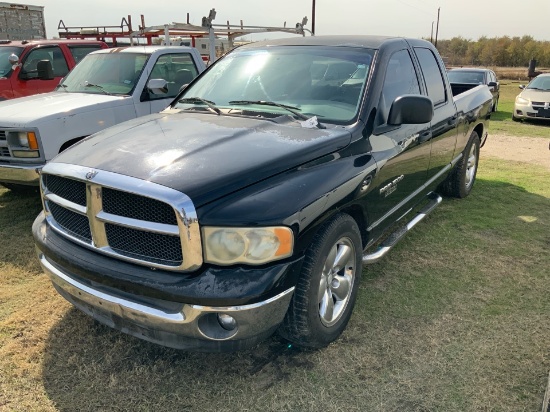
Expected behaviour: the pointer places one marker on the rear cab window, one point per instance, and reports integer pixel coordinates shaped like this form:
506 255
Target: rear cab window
433 76
80 51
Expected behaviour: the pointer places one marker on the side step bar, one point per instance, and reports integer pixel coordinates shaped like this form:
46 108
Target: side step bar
396 236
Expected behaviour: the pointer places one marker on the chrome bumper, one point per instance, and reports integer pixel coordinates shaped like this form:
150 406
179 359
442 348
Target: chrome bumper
173 324
19 174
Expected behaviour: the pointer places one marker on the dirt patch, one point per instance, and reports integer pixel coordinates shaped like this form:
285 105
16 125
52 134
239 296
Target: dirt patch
534 150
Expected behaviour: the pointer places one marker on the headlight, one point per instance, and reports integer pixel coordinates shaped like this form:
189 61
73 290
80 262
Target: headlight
253 246
23 144
521 100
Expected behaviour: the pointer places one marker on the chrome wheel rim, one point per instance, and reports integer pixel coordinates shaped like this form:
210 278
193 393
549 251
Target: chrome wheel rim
471 167
337 280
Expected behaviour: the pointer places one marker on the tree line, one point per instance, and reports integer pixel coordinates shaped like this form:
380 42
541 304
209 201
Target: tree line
497 51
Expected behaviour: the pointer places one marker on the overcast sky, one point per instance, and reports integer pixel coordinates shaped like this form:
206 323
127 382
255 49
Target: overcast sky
412 18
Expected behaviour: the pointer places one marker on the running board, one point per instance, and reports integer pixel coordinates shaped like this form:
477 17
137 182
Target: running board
396 236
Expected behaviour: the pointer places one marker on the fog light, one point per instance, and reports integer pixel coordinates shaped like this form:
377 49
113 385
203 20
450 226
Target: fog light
227 322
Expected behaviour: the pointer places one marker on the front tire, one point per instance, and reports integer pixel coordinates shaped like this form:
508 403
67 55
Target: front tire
461 180
326 291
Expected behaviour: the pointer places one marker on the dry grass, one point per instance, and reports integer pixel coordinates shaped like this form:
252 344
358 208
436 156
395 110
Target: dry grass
457 318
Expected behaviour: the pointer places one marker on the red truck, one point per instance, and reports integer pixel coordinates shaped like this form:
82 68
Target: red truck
19 74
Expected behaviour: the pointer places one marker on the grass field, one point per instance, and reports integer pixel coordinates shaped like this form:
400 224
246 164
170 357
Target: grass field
456 318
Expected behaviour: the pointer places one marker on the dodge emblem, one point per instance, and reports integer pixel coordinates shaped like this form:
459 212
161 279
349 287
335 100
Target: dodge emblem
91 174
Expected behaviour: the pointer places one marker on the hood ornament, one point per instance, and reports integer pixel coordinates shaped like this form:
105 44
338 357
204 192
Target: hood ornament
91 174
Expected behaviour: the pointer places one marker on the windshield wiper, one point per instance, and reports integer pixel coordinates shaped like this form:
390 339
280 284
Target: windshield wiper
88 84
211 105
291 109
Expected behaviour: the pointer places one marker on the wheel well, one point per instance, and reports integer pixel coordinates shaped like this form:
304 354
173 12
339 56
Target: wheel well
479 130
357 214
69 143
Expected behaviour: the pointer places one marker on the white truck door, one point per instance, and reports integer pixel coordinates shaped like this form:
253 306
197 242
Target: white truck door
177 69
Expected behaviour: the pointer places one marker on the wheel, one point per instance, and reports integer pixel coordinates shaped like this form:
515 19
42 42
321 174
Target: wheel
325 294
461 180
516 119
495 106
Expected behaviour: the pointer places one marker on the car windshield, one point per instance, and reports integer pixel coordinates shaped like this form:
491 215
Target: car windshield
327 82
5 53
462 76
540 83
105 73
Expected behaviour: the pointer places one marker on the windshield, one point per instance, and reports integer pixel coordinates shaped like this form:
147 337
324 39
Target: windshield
316 81
540 83
5 53
105 73
456 76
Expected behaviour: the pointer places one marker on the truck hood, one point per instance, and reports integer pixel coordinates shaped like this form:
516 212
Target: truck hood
203 155
32 110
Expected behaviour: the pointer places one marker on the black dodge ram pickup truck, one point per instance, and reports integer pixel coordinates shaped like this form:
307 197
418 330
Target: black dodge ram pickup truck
252 203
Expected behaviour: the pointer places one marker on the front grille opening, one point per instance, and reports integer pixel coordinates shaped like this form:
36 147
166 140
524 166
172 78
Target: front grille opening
4 151
138 207
137 244
74 223
69 189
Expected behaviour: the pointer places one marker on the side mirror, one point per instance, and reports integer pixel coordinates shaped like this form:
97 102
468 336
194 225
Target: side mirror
493 84
45 70
183 87
158 86
522 86
13 59
411 109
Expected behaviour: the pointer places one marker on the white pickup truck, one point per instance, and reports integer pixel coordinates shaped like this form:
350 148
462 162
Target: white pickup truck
107 87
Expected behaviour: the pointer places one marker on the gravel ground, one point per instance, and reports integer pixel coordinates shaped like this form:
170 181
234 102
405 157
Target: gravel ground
534 150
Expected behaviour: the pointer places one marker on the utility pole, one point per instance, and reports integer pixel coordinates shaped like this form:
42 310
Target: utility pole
313 18
432 34
437 28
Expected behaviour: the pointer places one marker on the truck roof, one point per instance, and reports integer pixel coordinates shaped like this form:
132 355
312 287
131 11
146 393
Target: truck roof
369 42
143 49
25 43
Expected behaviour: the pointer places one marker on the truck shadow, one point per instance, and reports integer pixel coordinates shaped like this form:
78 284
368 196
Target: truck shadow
84 358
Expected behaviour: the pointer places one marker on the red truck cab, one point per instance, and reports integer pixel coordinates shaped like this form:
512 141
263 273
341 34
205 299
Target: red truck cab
22 79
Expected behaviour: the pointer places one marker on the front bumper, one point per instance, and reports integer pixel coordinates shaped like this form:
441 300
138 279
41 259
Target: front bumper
527 111
20 174
171 309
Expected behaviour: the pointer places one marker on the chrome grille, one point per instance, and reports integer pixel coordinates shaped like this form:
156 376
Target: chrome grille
72 190
137 207
121 216
149 246
5 152
72 222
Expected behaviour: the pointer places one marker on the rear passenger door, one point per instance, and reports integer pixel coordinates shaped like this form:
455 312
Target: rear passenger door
444 124
402 152
177 69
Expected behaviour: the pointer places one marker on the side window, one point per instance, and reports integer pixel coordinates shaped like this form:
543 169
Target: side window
53 54
176 69
432 75
400 79
79 52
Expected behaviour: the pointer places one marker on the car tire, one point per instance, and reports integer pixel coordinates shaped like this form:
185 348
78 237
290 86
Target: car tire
516 119
461 180
326 291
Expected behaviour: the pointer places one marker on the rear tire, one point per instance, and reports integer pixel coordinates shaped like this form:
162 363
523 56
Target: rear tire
461 180
326 291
